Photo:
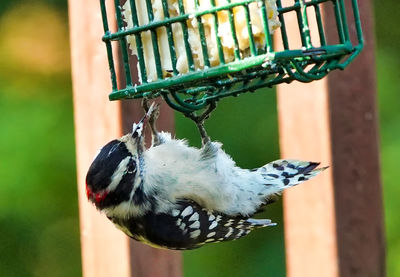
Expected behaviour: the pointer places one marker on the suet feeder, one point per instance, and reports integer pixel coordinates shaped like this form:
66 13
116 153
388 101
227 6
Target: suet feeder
236 70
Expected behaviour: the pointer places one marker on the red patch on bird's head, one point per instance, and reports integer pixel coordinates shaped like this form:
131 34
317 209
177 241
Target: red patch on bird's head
88 191
97 196
100 196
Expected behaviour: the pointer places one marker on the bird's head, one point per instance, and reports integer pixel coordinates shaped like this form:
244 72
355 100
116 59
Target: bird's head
113 172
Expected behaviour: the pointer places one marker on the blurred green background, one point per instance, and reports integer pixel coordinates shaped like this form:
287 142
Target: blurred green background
38 205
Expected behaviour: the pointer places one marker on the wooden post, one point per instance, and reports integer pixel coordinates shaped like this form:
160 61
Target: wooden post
334 223
106 251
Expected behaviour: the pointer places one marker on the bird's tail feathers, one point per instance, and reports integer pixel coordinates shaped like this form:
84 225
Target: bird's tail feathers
288 173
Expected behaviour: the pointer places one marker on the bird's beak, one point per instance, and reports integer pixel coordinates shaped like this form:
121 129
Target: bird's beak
137 129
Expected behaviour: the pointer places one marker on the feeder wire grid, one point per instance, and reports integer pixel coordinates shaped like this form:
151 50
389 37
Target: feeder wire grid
247 70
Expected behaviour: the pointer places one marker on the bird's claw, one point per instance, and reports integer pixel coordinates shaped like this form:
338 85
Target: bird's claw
199 120
152 113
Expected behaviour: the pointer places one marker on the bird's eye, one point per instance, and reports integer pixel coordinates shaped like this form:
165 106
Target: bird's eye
131 167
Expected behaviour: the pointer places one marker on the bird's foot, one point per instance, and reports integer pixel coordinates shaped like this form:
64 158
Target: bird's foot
199 120
153 112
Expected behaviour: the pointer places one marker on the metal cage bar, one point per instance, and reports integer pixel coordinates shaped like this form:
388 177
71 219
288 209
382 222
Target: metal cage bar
139 44
124 48
203 40
283 26
249 30
154 40
188 50
171 44
217 39
267 33
233 32
109 49
321 32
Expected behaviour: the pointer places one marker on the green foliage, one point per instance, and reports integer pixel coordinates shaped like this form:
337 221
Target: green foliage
38 204
386 24
59 4
389 103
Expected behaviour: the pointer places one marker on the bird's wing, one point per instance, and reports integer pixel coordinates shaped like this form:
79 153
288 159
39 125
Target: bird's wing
190 226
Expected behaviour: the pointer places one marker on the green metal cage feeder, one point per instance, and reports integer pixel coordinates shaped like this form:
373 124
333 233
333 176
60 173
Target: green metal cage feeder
256 67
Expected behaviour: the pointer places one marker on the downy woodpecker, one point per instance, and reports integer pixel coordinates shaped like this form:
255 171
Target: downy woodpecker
175 196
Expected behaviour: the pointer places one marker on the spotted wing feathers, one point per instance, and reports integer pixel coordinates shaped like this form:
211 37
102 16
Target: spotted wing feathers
201 226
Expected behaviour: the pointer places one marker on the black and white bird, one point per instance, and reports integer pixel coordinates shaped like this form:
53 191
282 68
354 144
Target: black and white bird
175 196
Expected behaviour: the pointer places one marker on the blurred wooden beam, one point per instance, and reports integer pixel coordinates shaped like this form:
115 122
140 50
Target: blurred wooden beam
356 160
106 251
334 224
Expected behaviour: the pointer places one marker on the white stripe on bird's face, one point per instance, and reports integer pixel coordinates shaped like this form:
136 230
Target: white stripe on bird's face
131 144
118 174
